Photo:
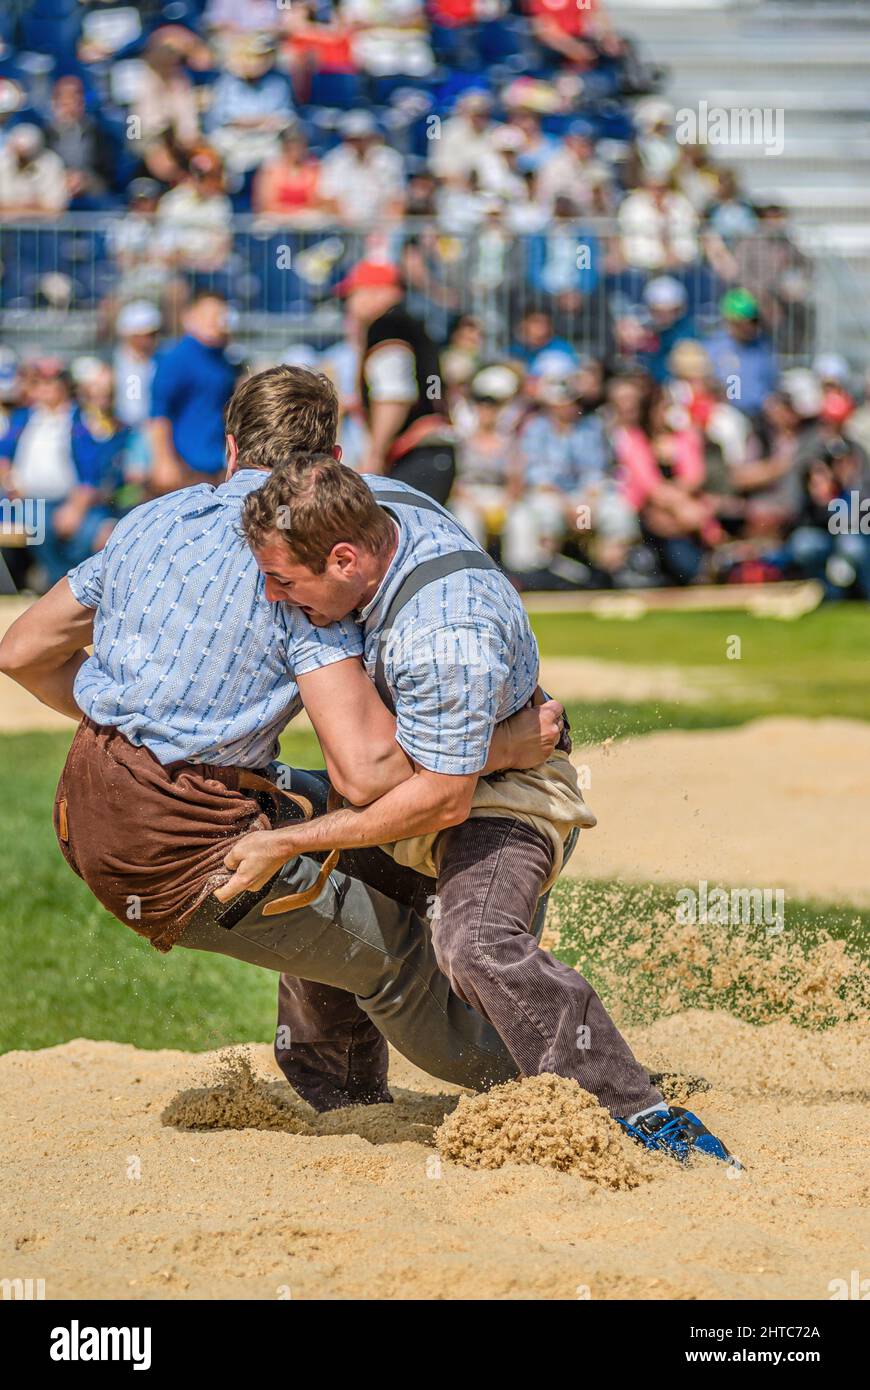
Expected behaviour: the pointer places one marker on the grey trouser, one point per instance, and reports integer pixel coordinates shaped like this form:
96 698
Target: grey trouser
484 930
375 955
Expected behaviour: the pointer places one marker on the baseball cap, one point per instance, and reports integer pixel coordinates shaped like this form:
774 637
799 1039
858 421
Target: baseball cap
830 366
369 275
665 292
495 383
140 316
356 125
738 304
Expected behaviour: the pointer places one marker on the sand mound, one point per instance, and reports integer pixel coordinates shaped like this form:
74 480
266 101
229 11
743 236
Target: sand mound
780 803
546 1120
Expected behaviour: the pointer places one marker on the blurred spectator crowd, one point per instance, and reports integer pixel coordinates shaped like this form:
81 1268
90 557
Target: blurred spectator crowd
626 339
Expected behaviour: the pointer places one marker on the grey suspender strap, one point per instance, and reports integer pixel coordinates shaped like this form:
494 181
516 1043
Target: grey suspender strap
424 574
404 499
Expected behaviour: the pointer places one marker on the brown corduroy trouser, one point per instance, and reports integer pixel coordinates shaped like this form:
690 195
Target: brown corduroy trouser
482 909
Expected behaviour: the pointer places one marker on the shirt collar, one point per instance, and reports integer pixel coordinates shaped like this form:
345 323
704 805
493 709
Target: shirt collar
242 482
363 614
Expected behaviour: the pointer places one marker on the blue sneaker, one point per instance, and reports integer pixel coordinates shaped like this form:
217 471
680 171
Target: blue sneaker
679 1133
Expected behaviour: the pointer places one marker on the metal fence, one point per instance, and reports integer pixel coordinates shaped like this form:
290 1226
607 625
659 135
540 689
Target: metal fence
60 284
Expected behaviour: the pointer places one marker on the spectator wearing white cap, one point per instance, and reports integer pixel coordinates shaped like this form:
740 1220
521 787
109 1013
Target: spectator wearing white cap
32 178
362 179
137 327
670 322
486 454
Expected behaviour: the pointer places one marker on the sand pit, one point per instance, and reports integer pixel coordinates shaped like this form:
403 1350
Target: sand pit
105 1199
781 803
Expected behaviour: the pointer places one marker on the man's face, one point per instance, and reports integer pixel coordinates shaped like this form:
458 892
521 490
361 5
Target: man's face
208 320
324 598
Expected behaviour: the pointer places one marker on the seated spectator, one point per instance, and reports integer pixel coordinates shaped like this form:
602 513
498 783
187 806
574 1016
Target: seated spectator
388 37
829 543
667 302
32 178
538 349
485 455
537 148
83 144
566 31
138 257
730 215
362 180
696 175
770 481
655 153
251 104
100 445
194 219
40 464
741 352
227 18
193 381
571 171
315 44
658 227
165 112
462 145
660 463
564 487
286 187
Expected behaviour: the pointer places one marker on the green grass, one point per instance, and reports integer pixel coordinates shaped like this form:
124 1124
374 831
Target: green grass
815 666
71 970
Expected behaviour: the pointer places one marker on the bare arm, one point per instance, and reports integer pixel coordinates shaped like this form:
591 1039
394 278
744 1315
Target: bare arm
423 803
167 471
357 733
44 648
355 730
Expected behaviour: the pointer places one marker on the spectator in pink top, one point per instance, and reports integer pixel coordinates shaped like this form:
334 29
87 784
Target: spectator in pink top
660 466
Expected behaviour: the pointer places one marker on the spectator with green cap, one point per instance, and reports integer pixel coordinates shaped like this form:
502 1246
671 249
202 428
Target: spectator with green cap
741 353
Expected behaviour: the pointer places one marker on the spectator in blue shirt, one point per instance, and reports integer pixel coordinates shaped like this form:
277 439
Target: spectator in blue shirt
742 355
192 384
669 320
567 484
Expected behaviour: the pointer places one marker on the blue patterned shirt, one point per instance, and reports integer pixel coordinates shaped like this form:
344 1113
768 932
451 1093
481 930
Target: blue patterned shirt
461 655
190 658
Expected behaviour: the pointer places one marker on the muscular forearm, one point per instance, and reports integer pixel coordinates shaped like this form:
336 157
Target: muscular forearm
53 686
416 807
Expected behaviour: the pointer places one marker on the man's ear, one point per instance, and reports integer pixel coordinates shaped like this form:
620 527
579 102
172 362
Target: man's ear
232 455
345 556
336 453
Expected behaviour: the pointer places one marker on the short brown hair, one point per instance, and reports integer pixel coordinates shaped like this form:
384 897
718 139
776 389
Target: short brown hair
280 412
315 503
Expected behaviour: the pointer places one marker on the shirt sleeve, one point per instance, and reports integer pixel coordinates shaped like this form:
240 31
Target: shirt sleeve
309 647
164 389
86 581
447 685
